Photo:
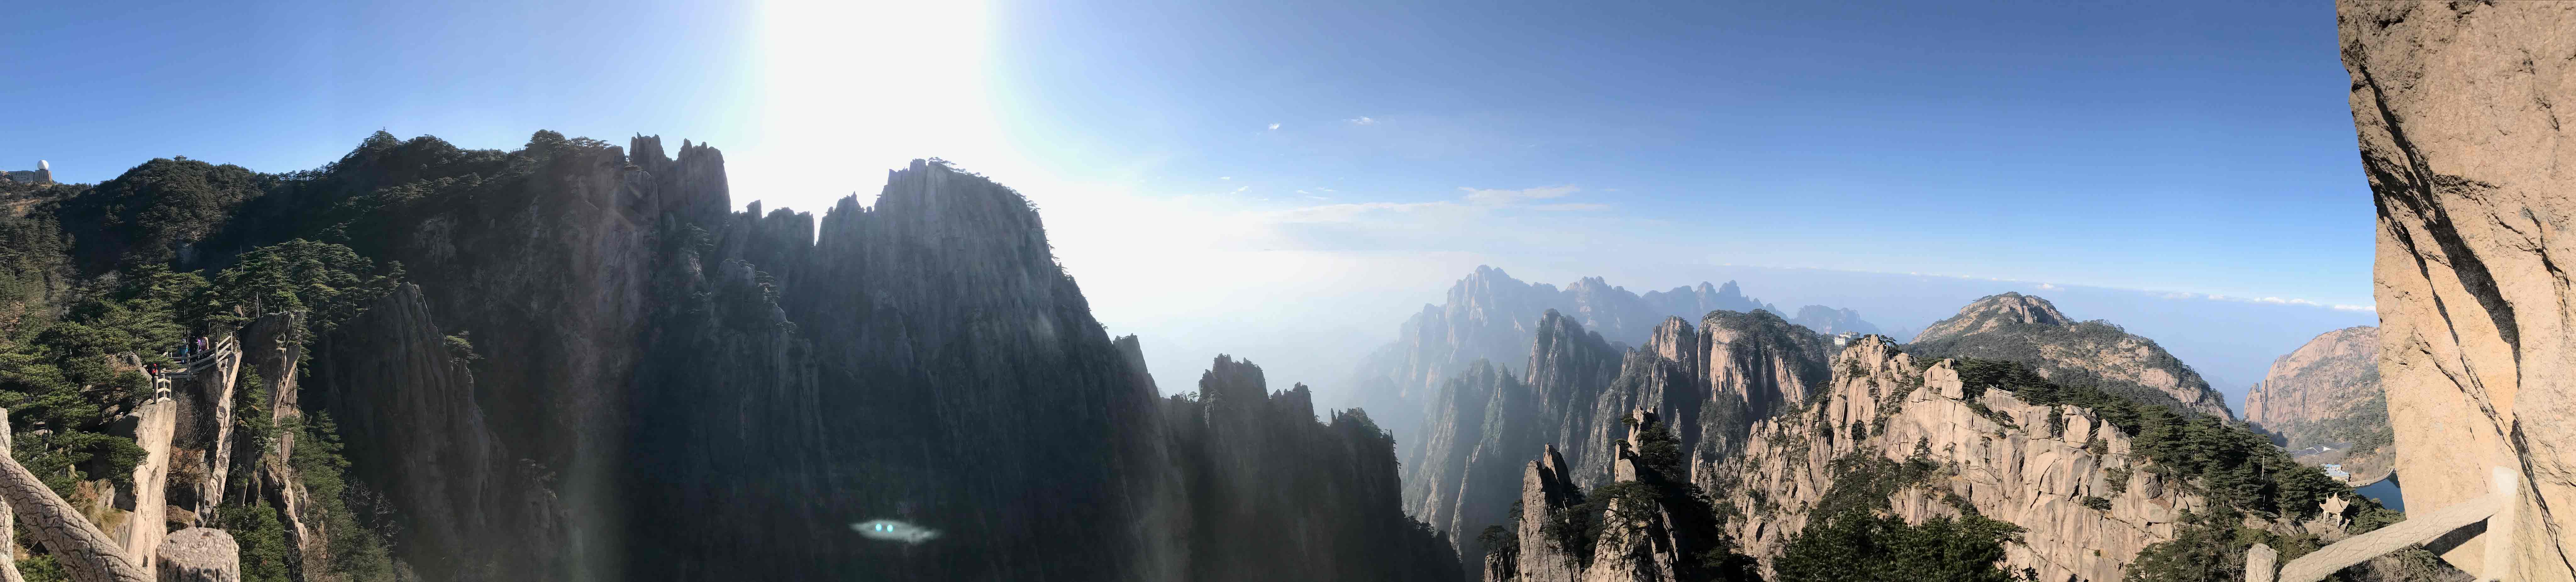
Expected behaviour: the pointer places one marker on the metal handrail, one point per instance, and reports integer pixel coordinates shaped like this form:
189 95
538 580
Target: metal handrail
205 359
2496 509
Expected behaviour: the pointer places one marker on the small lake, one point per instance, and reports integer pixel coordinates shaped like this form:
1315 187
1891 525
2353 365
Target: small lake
2385 491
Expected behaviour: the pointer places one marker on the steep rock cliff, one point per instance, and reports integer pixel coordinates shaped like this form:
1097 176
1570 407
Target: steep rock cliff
658 385
1644 523
1270 493
1708 384
2467 157
2018 327
2327 393
415 430
1485 419
2004 462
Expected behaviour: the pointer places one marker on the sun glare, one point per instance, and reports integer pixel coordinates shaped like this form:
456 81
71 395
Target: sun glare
850 89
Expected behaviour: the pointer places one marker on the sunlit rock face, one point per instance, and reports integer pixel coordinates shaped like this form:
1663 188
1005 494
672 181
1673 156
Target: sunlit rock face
2006 463
2327 393
2459 109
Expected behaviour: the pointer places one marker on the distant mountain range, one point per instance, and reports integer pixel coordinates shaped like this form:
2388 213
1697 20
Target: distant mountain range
2073 430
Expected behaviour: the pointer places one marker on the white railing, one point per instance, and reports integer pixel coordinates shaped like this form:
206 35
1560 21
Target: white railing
2496 509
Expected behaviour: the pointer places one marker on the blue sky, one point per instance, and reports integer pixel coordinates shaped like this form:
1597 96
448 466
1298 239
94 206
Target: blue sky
1311 171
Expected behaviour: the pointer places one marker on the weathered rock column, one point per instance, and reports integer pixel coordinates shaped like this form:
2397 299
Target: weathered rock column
200 554
155 424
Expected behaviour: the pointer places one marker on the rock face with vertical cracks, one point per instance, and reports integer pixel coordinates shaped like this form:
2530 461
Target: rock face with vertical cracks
671 388
1270 493
2472 164
414 429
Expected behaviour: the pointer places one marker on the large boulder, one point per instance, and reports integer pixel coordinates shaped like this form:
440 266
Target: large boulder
200 554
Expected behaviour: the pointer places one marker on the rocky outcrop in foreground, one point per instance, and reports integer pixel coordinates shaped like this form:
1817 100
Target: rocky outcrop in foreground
2457 109
2026 328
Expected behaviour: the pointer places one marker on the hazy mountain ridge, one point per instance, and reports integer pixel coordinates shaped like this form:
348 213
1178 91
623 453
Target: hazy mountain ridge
1831 321
1706 384
1490 316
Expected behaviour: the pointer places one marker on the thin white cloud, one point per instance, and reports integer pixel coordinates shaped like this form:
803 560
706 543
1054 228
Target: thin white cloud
2269 299
1225 177
1492 197
2049 286
1242 189
1274 126
1347 212
1363 121
1471 207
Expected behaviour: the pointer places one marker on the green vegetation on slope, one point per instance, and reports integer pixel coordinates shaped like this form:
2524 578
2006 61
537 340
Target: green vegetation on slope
79 323
1862 547
2232 466
2238 470
2026 343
